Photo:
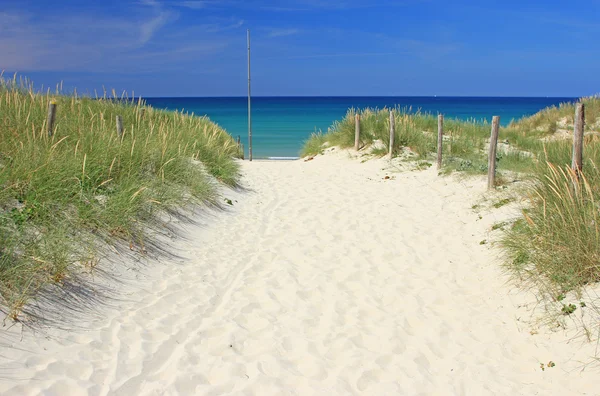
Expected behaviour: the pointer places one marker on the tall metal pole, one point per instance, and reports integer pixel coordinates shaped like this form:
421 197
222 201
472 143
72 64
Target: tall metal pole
249 105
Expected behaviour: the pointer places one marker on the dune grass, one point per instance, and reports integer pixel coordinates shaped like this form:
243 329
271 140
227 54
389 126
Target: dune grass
374 125
66 197
547 120
556 243
463 145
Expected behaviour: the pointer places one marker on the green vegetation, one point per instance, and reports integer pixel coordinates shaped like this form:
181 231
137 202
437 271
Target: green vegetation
499 226
64 199
546 121
569 309
556 243
374 126
464 143
502 202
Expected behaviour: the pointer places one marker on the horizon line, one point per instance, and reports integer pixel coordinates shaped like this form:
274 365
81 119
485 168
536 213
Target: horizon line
361 96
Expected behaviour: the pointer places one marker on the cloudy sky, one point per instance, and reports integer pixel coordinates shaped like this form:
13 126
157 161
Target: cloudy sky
306 47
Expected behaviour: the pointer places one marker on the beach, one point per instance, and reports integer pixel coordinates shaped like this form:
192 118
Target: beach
333 276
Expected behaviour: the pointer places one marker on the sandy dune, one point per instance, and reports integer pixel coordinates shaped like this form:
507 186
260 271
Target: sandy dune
324 279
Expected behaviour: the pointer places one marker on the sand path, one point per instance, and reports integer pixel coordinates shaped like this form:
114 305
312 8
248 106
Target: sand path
324 279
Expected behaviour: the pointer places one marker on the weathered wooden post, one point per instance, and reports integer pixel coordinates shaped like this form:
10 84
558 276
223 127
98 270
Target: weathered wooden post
492 153
440 140
239 140
392 133
577 162
51 117
119 126
243 153
356 131
249 105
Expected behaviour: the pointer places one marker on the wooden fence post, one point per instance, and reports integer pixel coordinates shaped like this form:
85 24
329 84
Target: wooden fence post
356 131
238 141
440 140
492 153
243 153
392 133
577 162
119 126
51 117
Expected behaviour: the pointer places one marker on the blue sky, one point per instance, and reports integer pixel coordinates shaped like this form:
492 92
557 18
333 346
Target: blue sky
306 47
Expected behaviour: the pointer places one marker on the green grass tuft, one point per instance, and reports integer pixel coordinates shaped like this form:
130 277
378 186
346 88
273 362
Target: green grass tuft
61 195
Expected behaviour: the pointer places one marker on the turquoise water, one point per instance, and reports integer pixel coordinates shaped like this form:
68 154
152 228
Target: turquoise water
280 125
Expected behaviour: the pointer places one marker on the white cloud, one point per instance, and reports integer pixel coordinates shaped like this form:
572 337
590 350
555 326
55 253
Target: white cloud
148 28
220 25
274 32
342 55
85 43
194 5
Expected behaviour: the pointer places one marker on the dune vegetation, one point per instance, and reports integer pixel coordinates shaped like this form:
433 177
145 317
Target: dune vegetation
65 198
555 245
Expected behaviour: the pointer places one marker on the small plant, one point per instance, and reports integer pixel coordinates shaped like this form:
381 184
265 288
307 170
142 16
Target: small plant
551 364
21 215
568 309
483 242
502 203
499 225
582 304
560 297
379 151
228 201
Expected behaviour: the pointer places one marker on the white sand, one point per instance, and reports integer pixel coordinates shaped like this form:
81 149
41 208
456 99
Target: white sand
326 279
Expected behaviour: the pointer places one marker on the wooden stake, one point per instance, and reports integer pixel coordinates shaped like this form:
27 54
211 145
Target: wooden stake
119 126
51 117
577 162
356 131
392 129
249 107
440 140
238 141
492 153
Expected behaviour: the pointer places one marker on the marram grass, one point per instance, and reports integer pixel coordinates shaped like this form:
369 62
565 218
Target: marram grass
556 244
66 197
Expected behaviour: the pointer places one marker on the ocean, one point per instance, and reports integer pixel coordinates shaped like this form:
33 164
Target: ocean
280 125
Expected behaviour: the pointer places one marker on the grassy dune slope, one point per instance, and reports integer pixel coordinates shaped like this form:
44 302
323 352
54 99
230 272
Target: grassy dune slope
64 198
556 243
